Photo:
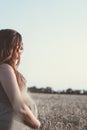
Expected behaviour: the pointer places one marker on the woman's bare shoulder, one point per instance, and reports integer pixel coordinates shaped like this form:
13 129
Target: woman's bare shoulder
5 69
5 66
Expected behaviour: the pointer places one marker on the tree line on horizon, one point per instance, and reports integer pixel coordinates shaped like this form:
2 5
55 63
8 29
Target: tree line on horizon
51 91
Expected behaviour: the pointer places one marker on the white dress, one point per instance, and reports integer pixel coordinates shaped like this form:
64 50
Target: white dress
9 119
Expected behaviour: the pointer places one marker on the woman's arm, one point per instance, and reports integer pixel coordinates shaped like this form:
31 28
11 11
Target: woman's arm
11 88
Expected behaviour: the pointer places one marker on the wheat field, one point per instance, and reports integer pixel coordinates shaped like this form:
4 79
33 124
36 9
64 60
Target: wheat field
61 112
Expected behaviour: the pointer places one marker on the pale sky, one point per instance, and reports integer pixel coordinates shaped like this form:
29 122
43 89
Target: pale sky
55 40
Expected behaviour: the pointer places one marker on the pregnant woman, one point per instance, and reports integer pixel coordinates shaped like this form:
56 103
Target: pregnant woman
17 110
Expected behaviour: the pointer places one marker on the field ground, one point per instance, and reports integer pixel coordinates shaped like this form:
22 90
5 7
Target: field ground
62 112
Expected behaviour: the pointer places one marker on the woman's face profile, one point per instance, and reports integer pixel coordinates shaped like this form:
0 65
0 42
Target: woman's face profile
17 53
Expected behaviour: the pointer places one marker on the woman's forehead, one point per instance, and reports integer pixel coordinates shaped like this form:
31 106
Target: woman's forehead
20 43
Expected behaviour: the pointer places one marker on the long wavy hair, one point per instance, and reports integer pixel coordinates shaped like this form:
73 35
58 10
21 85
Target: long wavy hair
11 41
